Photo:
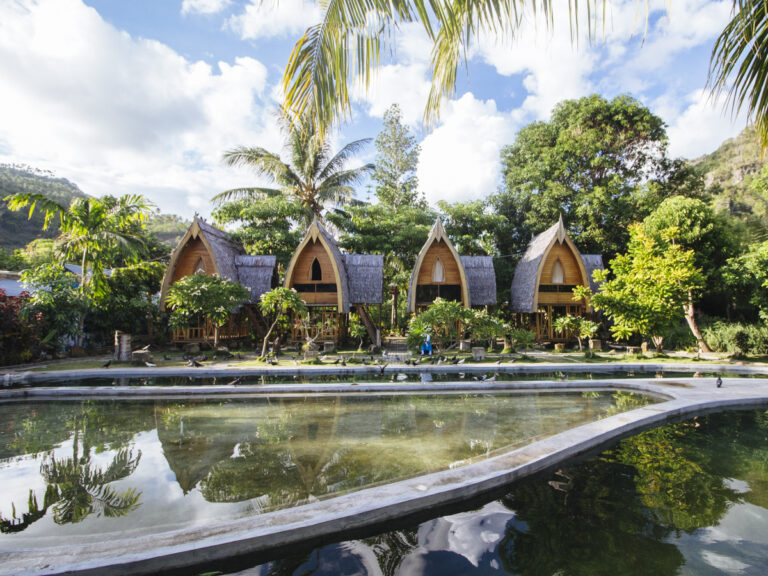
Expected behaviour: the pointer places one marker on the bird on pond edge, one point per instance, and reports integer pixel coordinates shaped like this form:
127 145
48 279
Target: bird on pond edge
719 382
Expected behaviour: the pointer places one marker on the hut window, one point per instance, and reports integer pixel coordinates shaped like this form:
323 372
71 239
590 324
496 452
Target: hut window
438 272
200 267
557 272
317 272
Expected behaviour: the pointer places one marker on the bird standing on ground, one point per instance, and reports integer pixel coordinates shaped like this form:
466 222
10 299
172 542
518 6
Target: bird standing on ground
194 363
343 362
166 357
150 365
107 365
719 382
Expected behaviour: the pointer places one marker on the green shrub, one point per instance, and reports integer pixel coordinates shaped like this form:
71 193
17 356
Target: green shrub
737 338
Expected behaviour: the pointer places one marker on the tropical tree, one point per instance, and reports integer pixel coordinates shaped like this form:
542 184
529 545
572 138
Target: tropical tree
485 327
92 229
472 226
579 326
397 158
313 176
277 306
650 288
198 298
442 320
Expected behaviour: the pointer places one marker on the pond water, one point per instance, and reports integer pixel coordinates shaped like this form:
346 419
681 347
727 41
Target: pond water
684 499
73 472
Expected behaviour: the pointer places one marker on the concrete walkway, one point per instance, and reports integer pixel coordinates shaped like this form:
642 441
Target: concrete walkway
349 512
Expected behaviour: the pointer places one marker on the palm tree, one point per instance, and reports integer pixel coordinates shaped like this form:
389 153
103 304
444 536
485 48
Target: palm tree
92 229
312 177
347 43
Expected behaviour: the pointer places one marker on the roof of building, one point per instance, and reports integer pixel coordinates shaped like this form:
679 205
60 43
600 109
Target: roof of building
593 262
523 291
256 273
224 249
481 278
365 274
77 270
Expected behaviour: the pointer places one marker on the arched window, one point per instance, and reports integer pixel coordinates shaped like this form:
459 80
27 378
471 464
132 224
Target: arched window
557 273
438 272
200 267
317 272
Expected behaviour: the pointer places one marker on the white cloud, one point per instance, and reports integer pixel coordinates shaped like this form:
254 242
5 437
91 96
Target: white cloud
203 6
460 160
701 127
117 114
272 18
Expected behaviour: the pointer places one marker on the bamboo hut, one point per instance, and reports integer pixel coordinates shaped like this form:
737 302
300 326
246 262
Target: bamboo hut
542 288
333 284
205 249
441 272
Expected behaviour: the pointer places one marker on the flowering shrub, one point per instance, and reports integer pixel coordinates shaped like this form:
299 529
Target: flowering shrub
18 333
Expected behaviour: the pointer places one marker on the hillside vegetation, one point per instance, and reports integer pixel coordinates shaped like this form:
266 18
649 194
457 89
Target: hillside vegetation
16 230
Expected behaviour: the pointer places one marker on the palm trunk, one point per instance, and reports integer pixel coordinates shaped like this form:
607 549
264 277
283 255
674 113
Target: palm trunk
691 319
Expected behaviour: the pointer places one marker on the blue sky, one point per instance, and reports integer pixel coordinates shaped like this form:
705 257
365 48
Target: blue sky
145 96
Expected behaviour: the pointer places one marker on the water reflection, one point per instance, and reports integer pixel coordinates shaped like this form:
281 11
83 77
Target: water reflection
102 467
690 498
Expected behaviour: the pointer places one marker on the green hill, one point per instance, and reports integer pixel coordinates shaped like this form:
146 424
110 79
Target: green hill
16 230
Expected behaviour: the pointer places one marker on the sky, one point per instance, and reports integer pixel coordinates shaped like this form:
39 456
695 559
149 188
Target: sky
144 96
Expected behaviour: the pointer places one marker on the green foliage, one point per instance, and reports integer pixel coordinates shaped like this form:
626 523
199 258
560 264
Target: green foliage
356 329
600 163
199 297
12 260
19 333
268 225
167 228
397 158
55 300
746 277
313 177
278 306
442 320
485 327
472 227
521 339
649 287
577 326
16 230
128 302
737 338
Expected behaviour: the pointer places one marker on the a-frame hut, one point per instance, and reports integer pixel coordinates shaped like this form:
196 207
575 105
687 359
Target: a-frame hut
441 272
333 284
206 249
542 288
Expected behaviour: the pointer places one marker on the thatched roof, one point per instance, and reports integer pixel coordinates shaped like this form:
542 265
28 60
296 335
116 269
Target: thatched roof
359 276
257 273
366 277
481 278
593 262
476 271
254 272
524 284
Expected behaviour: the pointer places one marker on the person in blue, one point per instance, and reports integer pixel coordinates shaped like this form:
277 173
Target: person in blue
426 347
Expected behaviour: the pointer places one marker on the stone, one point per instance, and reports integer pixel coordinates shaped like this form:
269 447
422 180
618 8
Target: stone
122 347
465 345
310 354
595 344
192 348
478 353
328 347
76 351
644 347
633 350
559 347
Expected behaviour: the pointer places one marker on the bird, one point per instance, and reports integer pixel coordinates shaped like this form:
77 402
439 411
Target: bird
273 361
336 361
295 362
235 381
194 363
343 362
498 362
239 356
417 362
146 348
365 363
454 361
107 364
381 369
166 357
461 361
439 361
149 364
719 382
491 379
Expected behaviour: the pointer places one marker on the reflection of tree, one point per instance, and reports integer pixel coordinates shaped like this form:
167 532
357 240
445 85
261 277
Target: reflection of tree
83 489
75 487
391 548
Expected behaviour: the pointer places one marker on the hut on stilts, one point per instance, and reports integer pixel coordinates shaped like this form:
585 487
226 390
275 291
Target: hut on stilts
542 288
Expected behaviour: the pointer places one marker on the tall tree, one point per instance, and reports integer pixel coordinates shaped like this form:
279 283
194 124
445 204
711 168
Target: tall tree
601 163
313 176
650 288
397 157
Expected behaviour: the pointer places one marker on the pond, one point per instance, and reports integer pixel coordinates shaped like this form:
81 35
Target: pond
75 472
683 499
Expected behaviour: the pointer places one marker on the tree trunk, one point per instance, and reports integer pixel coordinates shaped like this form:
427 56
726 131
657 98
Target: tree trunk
266 338
658 342
691 319
215 337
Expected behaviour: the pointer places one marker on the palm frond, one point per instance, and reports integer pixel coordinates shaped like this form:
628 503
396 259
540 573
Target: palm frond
739 63
263 162
347 177
49 207
245 193
341 157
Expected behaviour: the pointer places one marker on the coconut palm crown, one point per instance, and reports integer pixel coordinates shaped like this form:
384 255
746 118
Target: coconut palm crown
312 177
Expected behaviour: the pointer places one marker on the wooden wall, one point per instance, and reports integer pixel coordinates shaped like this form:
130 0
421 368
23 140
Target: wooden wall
451 268
190 255
571 275
302 274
